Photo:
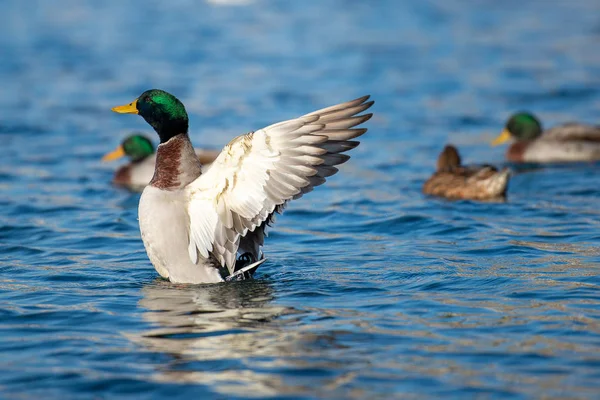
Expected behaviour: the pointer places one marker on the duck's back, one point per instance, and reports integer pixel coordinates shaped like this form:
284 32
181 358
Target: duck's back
572 131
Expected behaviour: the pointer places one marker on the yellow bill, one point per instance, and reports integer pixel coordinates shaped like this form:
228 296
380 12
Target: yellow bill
130 108
115 154
503 138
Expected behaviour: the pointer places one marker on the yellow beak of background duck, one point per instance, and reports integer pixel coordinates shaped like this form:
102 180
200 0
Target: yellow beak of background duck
504 137
115 154
130 108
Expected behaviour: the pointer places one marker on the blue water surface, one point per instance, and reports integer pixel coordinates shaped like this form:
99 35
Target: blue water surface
371 290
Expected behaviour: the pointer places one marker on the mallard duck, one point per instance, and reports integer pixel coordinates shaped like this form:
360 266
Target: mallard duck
140 150
194 224
569 142
454 181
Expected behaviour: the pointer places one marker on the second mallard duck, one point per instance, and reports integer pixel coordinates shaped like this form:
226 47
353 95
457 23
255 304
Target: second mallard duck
569 142
455 181
140 150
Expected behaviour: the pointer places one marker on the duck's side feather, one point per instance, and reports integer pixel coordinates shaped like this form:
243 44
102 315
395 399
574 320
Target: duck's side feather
468 183
141 172
547 151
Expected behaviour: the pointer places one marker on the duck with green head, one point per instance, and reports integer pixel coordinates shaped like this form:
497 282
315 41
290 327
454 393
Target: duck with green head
569 142
454 181
136 174
209 226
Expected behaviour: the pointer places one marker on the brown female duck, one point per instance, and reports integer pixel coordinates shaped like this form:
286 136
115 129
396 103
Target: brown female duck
454 181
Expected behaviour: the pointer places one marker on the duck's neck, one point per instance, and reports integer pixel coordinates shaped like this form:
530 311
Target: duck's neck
516 151
176 164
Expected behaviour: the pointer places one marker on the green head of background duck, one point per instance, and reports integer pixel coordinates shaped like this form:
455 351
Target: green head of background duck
137 147
523 128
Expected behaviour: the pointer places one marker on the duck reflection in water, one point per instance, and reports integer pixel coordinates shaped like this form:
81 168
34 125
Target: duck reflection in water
211 331
234 339
198 312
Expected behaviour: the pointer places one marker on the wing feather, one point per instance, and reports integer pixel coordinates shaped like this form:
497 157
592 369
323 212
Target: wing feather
257 174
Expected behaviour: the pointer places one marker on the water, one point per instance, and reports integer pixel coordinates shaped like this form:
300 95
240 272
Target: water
371 290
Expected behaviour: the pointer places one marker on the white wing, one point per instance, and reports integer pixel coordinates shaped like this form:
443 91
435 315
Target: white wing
257 173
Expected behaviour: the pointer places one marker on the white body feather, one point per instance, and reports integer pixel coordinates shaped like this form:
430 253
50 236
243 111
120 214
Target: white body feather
549 150
569 142
164 226
142 172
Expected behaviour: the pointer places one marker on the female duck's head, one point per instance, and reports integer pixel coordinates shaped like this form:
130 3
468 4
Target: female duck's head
448 159
137 147
163 111
521 126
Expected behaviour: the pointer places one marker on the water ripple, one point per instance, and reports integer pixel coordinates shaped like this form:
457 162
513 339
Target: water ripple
371 290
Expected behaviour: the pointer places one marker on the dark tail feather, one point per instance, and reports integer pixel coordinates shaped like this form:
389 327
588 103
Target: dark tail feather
243 270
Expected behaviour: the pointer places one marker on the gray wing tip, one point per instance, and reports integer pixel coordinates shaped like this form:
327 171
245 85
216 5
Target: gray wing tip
366 117
343 158
351 144
362 107
362 99
360 131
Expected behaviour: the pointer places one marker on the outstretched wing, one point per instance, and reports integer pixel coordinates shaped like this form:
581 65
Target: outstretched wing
257 173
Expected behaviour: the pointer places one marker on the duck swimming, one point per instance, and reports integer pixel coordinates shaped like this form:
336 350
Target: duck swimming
194 223
138 172
454 181
569 142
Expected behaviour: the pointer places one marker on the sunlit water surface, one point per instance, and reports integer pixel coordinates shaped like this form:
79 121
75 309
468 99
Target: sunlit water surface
371 289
